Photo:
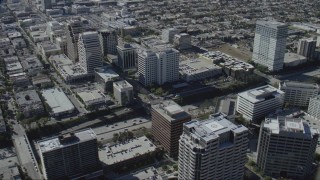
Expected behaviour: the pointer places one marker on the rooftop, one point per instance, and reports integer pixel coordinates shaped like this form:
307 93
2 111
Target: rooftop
261 93
213 127
122 84
124 151
272 24
288 124
90 95
291 57
299 85
28 98
106 73
171 110
61 141
49 46
196 66
57 100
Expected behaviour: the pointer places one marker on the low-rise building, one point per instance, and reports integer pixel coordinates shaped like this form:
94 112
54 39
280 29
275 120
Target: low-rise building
4 42
256 103
293 59
42 81
198 69
47 49
105 76
14 68
29 103
32 65
39 36
127 153
92 98
182 41
58 102
19 80
297 93
19 43
123 92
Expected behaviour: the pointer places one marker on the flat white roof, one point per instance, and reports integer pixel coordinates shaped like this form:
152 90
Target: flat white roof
90 95
259 94
54 142
57 100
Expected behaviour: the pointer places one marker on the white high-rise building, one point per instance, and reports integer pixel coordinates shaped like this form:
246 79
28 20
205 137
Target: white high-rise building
158 67
167 66
314 107
270 44
256 103
286 148
306 48
90 53
297 93
212 149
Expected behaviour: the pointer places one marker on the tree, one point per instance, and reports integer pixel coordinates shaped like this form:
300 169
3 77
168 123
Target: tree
128 38
164 167
115 137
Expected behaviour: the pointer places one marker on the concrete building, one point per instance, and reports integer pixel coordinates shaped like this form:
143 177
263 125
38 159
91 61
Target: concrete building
314 107
127 56
212 149
158 66
46 4
270 44
32 65
54 30
70 156
123 92
168 34
306 48
167 121
147 67
297 93
293 59
198 69
73 29
62 43
29 103
127 153
108 41
182 41
105 76
92 98
58 102
47 49
286 148
89 50
256 103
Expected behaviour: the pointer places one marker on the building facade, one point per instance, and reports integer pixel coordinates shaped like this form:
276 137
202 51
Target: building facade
73 29
29 103
147 66
286 148
256 103
90 54
70 156
123 92
297 93
167 122
307 47
212 149
314 107
270 44
108 41
127 56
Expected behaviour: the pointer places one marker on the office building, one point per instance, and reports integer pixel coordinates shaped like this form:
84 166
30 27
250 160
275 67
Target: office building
167 35
46 4
182 41
90 54
147 67
297 93
105 76
314 107
256 103
123 92
212 149
108 41
73 29
286 148
167 121
70 156
270 44
127 56
307 47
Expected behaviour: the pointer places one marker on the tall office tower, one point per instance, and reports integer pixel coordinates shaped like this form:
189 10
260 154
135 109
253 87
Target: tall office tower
256 103
167 122
212 149
46 4
127 56
70 156
73 29
297 93
270 44
108 41
147 67
306 48
314 107
168 65
90 53
286 148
